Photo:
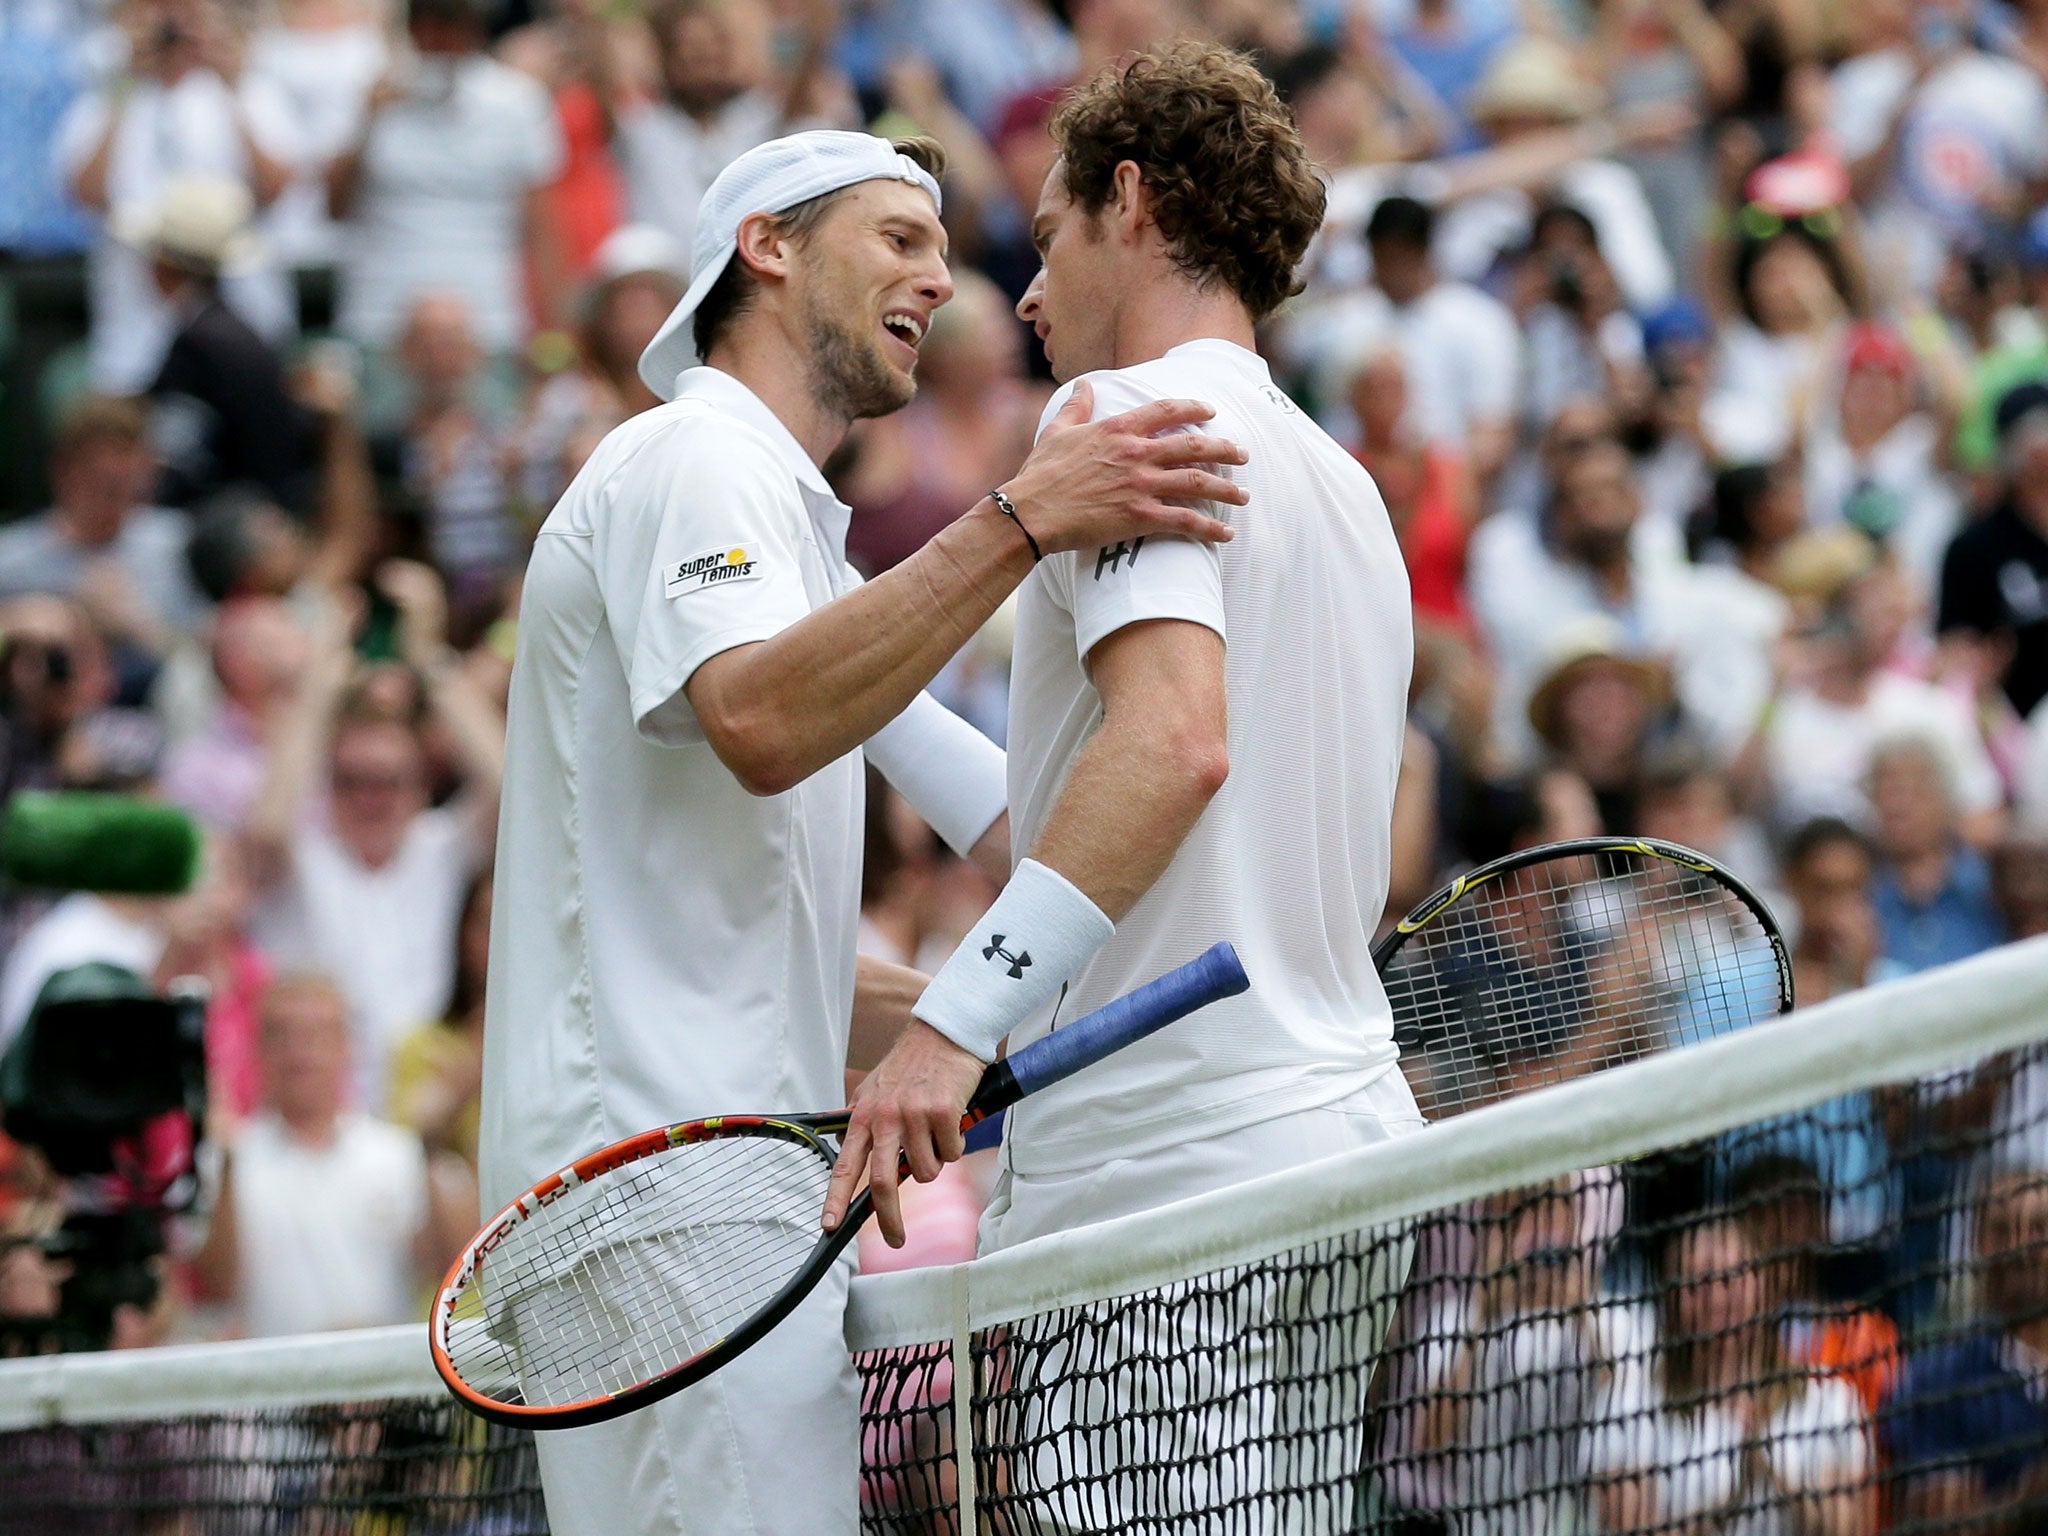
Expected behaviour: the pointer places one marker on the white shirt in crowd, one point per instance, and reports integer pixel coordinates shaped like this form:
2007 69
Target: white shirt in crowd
164 133
1816 1442
78 930
1818 751
1902 467
325 75
385 936
1714 626
1463 352
1977 129
1290 860
446 174
669 158
326 1234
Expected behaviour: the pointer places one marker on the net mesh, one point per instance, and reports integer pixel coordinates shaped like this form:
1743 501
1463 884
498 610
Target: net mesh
1826 1322
1569 966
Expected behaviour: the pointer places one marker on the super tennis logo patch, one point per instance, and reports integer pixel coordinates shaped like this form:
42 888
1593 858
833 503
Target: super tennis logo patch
714 568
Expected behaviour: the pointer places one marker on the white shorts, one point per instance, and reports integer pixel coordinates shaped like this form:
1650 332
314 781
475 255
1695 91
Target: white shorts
768 1446
1236 1406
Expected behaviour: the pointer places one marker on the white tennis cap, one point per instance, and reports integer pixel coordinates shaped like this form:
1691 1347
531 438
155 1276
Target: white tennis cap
772 178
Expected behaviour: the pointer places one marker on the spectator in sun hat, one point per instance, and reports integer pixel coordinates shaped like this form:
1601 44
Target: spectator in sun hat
223 415
1994 578
1597 707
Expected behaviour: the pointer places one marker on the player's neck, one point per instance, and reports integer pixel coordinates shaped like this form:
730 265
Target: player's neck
1164 315
776 375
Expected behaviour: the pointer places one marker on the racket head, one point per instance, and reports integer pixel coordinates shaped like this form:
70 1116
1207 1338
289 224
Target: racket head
1572 957
639 1269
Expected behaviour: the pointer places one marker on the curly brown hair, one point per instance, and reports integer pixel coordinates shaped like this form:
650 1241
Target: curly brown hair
1232 188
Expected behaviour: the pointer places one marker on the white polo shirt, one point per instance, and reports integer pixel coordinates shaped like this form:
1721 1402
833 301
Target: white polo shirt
1290 860
664 945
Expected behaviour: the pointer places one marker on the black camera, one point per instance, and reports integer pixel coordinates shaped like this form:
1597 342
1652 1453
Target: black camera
107 1081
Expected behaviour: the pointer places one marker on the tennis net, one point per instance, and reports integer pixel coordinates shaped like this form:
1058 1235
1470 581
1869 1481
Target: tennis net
1790 1282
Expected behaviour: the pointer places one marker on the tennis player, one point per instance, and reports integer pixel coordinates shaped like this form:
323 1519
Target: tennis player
1204 741
679 846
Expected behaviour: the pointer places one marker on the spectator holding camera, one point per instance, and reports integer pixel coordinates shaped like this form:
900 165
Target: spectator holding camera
183 106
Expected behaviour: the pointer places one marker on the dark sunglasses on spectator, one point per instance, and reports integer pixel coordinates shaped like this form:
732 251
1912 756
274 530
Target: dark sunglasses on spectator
1760 221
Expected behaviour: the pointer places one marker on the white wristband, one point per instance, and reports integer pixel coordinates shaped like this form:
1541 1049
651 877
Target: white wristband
952 775
1041 930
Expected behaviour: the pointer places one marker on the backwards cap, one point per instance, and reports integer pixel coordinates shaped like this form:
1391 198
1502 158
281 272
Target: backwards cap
771 178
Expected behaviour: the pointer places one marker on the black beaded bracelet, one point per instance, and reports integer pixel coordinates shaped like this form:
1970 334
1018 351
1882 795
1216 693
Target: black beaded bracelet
1009 509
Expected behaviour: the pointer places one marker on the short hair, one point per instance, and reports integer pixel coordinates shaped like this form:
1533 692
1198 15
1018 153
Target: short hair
1810 836
733 294
100 419
1403 220
1233 191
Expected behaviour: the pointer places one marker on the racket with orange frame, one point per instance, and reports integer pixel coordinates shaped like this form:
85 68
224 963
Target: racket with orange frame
648 1265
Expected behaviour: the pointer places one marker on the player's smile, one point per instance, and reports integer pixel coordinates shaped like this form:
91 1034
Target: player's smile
906 329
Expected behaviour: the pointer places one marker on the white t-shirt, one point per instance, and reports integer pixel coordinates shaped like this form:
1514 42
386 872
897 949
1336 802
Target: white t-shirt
1976 127
1818 751
664 944
164 133
1903 466
325 76
78 930
385 936
1715 627
1463 353
1818 1442
443 201
326 1234
1290 860
670 159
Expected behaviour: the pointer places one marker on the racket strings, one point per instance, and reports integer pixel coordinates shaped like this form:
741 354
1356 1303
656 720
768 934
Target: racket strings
1571 966
639 1270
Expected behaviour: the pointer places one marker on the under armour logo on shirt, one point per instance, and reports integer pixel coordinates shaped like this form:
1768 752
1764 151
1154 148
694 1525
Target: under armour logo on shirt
1016 963
1110 556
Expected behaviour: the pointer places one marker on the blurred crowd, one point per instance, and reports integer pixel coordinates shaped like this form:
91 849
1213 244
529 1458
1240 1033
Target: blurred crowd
1698 347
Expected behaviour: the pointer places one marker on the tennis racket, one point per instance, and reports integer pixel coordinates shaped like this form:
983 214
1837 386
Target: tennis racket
1571 957
648 1265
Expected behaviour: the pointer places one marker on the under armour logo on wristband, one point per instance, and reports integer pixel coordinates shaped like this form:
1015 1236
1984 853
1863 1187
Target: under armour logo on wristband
1016 963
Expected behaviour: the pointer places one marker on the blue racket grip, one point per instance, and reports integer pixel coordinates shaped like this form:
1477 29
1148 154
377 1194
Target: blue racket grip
1209 977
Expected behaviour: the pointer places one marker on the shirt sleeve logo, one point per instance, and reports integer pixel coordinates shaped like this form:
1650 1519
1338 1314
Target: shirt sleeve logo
1110 556
714 568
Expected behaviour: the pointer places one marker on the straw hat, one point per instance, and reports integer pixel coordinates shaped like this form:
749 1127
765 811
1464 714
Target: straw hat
1585 643
200 223
1821 561
1532 77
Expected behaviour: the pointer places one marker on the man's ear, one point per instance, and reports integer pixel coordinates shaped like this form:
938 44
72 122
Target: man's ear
763 246
1130 207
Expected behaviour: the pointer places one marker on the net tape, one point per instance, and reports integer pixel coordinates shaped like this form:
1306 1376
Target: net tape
1761 1286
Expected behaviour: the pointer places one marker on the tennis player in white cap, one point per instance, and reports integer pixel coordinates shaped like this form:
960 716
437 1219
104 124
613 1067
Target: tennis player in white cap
679 849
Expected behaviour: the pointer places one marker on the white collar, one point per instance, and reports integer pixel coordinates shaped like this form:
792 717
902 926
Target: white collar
723 392
1216 346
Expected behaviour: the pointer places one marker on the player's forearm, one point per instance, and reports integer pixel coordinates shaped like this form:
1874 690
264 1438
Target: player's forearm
883 995
778 711
1135 793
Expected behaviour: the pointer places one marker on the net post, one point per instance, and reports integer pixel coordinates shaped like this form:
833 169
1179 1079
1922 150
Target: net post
966 1494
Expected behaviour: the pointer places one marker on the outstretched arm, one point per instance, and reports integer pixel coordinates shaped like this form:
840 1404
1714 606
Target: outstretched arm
778 710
